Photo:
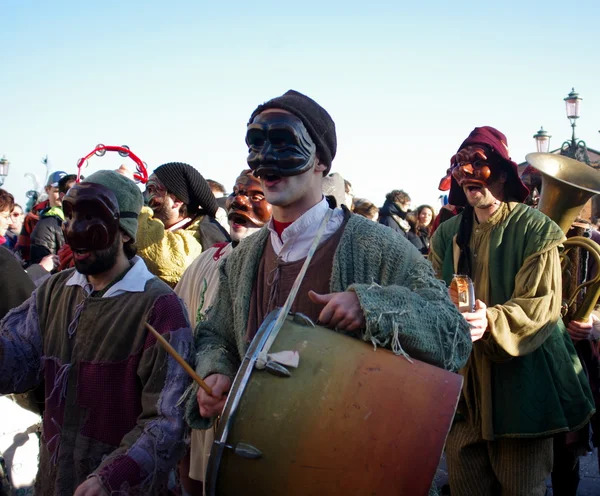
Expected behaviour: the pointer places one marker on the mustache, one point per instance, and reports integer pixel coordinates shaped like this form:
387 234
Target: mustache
244 218
473 182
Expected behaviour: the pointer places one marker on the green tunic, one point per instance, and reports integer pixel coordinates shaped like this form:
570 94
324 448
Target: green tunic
523 378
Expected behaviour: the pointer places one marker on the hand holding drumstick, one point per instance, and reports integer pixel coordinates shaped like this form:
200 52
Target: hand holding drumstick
213 391
213 404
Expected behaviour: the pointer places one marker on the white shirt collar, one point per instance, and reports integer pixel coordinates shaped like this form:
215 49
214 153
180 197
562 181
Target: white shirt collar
182 223
297 237
134 281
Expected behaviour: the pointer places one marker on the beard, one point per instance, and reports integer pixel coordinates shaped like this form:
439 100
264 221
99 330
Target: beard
99 261
478 195
160 211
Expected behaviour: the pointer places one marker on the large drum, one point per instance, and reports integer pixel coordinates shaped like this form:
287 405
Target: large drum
350 420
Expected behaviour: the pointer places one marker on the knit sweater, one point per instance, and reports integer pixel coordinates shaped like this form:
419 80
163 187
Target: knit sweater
168 253
111 391
405 307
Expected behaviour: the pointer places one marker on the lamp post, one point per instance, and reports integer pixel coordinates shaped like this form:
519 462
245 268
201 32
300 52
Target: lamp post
574 148
4 163
542 140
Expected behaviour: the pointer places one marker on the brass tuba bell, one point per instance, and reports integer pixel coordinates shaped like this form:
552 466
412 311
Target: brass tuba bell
567 185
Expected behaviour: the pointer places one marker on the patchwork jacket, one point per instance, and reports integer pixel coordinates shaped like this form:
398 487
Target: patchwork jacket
112 392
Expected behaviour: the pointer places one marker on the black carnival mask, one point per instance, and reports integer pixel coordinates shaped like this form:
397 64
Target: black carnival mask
279 145
91 217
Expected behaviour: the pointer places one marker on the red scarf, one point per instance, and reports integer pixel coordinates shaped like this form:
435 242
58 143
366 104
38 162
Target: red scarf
280 227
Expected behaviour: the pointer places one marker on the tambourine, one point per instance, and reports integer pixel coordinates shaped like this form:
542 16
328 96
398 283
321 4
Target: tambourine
465 291
141 174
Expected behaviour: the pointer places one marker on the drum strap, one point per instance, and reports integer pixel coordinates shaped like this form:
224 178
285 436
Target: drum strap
283 311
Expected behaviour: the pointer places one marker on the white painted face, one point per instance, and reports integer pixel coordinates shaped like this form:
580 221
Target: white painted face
290 195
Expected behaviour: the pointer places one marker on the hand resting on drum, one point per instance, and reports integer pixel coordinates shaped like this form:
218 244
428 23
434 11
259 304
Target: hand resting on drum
211 406
342 310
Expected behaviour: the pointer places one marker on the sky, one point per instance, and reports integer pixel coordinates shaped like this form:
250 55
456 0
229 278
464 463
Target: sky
405 82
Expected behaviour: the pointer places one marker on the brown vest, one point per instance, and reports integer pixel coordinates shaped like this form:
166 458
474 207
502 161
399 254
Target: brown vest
275 279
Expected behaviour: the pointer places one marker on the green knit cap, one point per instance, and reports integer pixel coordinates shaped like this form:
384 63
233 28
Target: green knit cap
128 195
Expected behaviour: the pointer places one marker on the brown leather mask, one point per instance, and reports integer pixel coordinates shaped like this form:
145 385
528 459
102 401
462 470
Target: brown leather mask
471 164
279 145
247 202
91 217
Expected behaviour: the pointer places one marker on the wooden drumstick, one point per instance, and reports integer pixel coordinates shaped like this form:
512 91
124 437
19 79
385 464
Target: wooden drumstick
169 349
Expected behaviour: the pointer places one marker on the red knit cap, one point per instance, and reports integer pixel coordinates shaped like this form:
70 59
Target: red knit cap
495 144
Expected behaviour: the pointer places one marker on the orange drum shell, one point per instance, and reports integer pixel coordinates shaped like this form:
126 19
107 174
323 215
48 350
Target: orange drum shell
350 420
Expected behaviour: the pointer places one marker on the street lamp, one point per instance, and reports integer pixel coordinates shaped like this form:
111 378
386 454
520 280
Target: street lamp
574 148
542 140
573 102
4 163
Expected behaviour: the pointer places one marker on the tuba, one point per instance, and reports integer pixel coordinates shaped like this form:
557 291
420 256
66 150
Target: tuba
567 185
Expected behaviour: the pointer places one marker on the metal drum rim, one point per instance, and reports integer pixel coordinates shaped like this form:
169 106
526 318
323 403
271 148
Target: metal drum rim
242 378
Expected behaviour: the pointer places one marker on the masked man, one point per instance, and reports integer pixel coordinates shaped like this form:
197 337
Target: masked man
180 223
248 211
359 276
112 423
523 381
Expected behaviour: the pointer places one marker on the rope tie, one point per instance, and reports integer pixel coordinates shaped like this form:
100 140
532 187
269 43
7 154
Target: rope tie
56 437
60 382
88 288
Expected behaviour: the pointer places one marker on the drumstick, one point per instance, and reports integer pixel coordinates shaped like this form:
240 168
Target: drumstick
165 344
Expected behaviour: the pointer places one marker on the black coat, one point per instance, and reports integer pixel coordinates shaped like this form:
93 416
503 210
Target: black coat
15 284
420 239
387 214
47 238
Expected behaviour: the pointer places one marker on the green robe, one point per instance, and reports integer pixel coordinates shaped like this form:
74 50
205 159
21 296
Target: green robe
523 378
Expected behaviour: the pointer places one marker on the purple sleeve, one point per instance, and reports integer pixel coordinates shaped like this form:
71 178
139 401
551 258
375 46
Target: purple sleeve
20 348
153 447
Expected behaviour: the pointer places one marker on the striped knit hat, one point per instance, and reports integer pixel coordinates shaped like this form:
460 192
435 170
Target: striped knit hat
189 186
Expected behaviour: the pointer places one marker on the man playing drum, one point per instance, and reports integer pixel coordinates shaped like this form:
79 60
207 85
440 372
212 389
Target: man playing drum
364 279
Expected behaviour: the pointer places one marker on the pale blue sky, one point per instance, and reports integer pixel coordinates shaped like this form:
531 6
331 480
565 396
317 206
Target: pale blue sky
404 82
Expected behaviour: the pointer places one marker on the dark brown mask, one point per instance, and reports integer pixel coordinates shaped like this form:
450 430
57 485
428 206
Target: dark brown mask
91 217
279 145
